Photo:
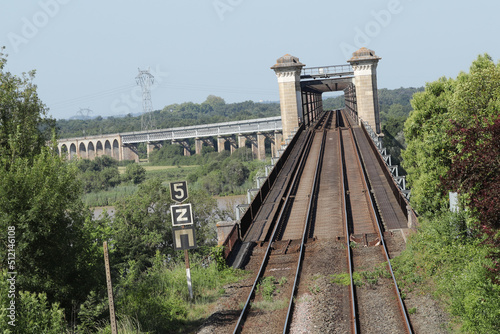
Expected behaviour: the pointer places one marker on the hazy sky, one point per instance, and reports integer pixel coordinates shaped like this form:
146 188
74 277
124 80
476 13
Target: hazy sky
87 53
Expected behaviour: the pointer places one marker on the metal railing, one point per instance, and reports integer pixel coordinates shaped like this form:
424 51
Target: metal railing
205 130
327 71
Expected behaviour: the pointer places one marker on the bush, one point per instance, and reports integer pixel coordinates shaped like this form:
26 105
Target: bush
135 173
33 313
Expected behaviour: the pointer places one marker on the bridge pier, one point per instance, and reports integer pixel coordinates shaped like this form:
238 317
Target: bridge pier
233 146
253 140
151 147
278 139
261 146
198 143
287 69
129 152
185 145
221 141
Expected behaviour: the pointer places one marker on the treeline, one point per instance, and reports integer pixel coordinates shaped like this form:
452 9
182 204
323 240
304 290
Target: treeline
452 139
213 110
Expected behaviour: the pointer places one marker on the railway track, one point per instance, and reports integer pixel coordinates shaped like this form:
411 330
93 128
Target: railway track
339 208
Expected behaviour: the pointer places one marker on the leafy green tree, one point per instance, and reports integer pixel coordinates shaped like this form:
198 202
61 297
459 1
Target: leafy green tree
142 225
135 173
98 174
426 157
429 151
24 124
40 201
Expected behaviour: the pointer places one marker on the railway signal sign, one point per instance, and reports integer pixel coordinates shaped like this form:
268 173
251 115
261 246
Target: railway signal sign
184 237
178 191
182 225
182 214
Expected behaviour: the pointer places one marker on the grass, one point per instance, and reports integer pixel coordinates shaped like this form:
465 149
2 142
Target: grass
273 305
158 299
363 277
109 197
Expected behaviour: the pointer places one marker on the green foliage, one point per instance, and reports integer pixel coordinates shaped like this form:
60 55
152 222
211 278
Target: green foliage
135 173
159 298
108 197
213 110
267 287
33 312
54 251
457 265
24 125
429 146
92 312
217 253
142 224
98 174
426 157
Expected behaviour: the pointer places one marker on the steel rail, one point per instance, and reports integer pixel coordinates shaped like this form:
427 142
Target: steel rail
293 181
378 228
314 193
352 294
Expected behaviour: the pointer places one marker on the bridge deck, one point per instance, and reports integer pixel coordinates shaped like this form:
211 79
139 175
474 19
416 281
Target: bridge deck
390 211
391 214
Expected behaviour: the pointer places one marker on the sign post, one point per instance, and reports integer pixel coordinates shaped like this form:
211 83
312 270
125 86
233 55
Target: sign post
110 290
182 225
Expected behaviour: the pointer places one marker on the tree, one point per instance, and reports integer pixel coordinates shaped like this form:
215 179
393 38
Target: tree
142 225
135 173
475 174
24 124
40 201
426 157
430 148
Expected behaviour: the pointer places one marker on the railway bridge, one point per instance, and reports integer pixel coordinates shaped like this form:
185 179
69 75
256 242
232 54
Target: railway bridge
332 205
229 135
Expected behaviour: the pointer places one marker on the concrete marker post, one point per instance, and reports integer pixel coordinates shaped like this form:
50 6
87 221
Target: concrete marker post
112 317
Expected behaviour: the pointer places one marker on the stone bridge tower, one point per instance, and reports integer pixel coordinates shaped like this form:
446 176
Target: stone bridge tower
287 69
364 63
360 83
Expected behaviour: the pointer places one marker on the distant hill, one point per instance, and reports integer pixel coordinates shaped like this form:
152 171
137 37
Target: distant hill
213 110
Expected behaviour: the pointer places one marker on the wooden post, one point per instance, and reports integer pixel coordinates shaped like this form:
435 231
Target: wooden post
112 317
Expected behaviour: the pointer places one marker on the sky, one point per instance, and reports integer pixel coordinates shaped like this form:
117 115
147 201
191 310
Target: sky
87 54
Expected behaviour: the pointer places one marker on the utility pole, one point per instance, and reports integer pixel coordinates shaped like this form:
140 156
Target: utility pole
145 79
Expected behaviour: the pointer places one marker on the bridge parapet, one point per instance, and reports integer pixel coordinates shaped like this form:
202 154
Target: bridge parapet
207 130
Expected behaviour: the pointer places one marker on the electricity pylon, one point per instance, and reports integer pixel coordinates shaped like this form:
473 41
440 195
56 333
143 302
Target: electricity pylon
145 80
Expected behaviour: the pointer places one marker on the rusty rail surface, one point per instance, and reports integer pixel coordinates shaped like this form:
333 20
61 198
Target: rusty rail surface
293 182
378 228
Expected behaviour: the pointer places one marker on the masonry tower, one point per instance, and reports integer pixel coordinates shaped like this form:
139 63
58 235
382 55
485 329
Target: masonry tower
287 69
364 63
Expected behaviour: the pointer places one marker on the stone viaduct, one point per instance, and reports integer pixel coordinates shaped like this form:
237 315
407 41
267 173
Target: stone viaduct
224 136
